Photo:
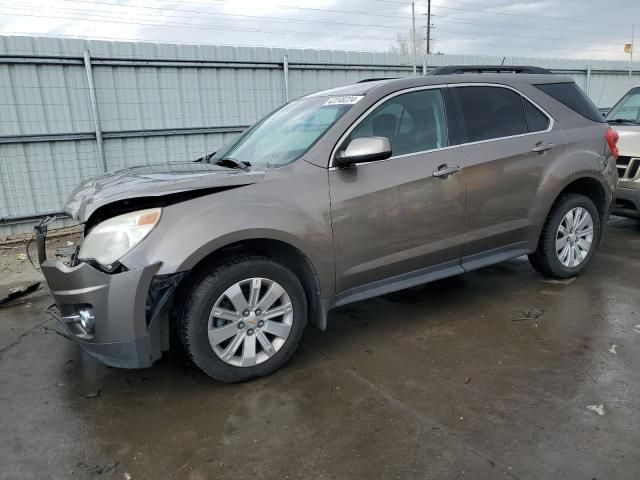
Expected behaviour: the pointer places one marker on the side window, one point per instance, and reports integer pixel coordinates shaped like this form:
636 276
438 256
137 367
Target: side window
491 112
413 122
537 121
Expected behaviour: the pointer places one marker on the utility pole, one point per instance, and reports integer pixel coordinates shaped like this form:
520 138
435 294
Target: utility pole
428 27
631 52
413 35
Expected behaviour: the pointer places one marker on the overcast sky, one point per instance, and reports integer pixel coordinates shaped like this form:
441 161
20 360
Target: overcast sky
538 28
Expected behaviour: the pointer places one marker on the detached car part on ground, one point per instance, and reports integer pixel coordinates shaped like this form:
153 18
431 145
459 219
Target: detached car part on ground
334 198
625 117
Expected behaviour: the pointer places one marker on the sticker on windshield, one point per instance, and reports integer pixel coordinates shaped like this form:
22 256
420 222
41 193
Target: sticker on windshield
344 100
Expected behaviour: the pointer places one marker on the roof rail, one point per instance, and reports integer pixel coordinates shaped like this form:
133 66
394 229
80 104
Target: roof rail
453 69
375 79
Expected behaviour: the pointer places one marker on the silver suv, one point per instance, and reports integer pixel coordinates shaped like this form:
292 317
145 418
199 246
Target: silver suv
333 198
625 115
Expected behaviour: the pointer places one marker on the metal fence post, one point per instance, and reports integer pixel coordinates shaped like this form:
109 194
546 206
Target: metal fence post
424 66
285 64
94 108
588 86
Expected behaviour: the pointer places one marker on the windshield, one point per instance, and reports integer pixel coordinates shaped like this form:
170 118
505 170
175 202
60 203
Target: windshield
627 109
286 134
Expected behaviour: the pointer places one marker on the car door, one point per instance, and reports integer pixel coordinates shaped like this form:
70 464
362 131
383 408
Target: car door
508 142
393 217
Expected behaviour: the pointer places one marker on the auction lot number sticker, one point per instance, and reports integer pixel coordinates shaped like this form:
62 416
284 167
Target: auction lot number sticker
344 100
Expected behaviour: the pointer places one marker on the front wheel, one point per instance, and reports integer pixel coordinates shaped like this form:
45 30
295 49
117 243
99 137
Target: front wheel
244 319
569 237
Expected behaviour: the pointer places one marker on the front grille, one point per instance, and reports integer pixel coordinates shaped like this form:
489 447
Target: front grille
628 168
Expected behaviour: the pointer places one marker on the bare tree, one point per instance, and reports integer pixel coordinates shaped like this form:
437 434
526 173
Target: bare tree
404 45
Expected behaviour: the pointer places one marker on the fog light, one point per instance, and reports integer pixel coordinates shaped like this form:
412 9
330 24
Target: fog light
87 320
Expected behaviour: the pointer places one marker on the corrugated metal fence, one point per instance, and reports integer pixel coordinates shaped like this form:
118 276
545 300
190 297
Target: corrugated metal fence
70 109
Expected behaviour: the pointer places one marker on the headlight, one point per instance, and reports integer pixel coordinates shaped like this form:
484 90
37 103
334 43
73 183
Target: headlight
112 239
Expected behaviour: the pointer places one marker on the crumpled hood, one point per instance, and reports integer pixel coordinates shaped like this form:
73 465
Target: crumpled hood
629 141
152 181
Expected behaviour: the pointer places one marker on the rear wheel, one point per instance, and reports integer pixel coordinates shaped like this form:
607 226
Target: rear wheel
569 237
244 319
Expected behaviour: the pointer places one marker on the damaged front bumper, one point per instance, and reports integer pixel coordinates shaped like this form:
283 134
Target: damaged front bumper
119 318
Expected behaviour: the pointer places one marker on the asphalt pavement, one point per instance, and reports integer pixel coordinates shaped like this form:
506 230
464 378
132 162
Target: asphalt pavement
497 373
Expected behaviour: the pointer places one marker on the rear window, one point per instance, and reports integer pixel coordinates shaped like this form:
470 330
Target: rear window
573 97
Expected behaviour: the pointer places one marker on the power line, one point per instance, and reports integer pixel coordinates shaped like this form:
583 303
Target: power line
522 15
503 25
281 19
527 15
327 10
277 19
467 32
377 14
494 12
102 19
555 29
258 18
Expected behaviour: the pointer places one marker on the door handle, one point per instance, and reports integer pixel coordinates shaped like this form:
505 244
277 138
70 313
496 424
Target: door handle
444 171
543 147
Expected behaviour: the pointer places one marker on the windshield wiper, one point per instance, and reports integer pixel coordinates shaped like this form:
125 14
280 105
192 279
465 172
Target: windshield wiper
623 120
204 159
233 163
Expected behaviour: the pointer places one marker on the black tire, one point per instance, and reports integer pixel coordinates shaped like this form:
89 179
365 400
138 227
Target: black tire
545 259
201 300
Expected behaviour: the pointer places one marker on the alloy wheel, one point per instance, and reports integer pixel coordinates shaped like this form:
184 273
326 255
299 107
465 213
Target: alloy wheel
250 322
574 238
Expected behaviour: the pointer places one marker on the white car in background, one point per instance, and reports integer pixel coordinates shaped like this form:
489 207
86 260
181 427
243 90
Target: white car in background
625 118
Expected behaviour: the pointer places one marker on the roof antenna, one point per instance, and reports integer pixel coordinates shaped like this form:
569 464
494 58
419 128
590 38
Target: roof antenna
503 59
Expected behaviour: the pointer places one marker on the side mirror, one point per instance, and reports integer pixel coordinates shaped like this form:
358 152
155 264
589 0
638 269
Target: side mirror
367 149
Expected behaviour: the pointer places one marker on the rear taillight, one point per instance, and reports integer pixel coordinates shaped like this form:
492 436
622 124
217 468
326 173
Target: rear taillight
611 136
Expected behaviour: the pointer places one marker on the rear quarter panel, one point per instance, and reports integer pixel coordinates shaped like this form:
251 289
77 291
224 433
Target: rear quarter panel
585 155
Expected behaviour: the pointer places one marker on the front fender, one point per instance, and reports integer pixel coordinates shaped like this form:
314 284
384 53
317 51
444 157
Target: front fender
190 231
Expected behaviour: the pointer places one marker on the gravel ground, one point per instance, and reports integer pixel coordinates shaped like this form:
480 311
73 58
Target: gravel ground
14 262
